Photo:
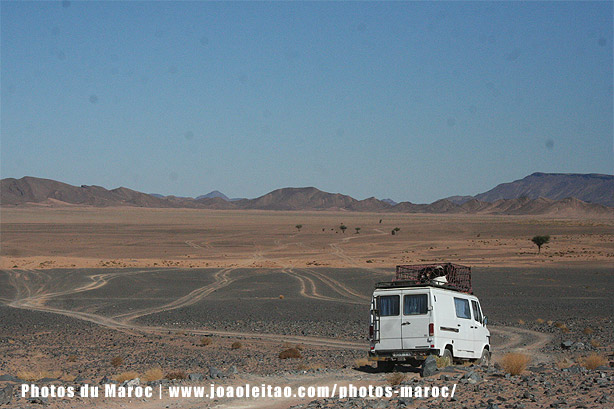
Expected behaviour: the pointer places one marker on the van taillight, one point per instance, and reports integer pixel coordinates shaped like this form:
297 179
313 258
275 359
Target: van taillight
431 329
371 331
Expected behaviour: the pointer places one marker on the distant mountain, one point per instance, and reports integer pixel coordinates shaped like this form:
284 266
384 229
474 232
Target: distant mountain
215 193
390 202
459 200
297 198
31 190
590 188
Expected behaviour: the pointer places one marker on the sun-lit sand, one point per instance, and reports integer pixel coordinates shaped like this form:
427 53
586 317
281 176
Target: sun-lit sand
43 237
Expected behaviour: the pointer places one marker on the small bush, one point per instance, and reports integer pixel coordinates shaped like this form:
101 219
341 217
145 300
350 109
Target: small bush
593 361
126 376
515 363
292 353
72 358
361 362
595 344
564 363
396 378
550 322
176 375
204 341
281 297
117 361
310 367
153 374
540 321
32 376
587 331
236 345
443 361
521 321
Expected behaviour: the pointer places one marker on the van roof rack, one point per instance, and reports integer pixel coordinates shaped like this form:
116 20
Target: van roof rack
446 275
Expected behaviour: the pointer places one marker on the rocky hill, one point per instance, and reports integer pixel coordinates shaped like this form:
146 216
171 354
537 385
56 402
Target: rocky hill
590 188
31 190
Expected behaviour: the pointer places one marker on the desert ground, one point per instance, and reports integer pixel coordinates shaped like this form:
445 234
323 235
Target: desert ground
89 293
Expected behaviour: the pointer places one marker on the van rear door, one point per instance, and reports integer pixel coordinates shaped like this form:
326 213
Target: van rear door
416 317
389 312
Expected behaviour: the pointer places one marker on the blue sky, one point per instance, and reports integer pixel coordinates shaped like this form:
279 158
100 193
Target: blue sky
408 100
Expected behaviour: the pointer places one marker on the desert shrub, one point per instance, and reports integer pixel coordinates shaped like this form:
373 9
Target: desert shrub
515 363
32 376
153 374
587 331
236 345
564 363
550 322
396 378
72 358
176 375
117 361
281 297
126 376
361 362
593 361
204 341
443 361
540 321
310 367
290 353
521 321
595 344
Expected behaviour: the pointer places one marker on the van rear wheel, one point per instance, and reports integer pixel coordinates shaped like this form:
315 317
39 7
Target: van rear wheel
485 358
447 356
385 366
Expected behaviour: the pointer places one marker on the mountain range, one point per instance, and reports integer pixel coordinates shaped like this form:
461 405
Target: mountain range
539 194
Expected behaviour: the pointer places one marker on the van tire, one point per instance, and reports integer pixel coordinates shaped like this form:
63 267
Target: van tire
385 366
485 358
448 354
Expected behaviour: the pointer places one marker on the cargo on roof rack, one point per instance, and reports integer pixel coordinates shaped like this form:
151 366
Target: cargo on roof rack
453 276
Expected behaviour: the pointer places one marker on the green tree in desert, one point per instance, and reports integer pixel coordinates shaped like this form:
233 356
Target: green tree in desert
343 227
539 241
299 227
395 230
357 230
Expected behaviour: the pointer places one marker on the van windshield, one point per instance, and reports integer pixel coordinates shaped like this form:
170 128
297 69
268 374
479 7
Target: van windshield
415 304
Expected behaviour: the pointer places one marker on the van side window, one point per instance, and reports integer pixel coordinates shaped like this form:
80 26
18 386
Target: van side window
462 308
415 304
388 305
477 315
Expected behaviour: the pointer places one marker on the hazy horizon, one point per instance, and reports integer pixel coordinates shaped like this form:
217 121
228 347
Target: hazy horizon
413 101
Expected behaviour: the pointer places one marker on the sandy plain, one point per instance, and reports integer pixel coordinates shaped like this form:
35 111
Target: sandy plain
80 237
80 286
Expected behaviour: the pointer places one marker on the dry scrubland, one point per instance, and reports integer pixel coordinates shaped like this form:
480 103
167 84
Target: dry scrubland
39 237
244 296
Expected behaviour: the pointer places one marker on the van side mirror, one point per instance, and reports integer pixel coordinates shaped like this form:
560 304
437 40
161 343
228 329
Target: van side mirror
485 321
430 308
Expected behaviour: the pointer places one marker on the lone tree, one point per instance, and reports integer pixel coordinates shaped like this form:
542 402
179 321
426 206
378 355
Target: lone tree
357 230
299 227
343 227
395 230
539 241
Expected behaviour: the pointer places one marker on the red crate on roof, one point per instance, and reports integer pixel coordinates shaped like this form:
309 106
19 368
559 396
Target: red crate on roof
456 276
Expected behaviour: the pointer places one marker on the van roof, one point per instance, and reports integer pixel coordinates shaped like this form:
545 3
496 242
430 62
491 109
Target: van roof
411 284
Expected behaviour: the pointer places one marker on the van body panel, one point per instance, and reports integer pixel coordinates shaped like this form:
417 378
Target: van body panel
456 320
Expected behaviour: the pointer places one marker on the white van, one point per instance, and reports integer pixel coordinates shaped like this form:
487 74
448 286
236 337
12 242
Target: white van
411 319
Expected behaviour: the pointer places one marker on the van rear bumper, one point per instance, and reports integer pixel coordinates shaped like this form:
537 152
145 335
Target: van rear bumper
402 355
